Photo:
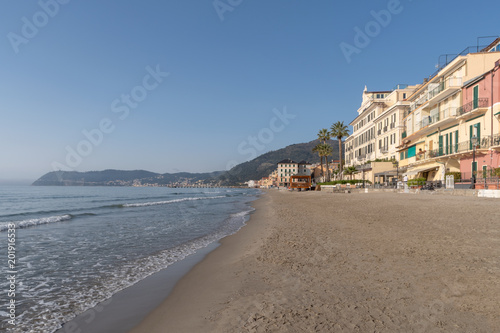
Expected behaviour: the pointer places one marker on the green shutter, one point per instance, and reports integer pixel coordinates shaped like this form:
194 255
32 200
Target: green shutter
446 147
440 145
476 97
470 137
478 131
412 151
456 141
450 149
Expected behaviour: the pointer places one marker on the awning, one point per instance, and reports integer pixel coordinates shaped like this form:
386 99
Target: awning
416 171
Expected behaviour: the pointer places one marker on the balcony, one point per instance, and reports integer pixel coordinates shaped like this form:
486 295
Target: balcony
437 92
384 150
379 132
385 129
393 125
459 148
422 100
444 89
496 141
473 108
430 123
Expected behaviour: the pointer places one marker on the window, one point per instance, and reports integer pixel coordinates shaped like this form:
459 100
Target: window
404 95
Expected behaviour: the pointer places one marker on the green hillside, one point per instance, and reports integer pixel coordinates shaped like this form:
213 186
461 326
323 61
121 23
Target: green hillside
264 164
255 169
119 178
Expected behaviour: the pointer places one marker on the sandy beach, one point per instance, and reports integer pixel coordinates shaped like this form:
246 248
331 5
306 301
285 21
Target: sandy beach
359 262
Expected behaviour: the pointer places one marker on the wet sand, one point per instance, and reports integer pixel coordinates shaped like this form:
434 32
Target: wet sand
359 262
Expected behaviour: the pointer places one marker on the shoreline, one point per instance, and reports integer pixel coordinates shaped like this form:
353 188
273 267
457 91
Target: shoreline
128 307
207 278
325 262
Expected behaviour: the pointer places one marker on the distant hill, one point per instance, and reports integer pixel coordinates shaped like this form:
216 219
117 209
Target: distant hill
120 178
255 169
264 164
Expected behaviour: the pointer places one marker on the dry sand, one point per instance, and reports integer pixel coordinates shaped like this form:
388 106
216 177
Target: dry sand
364 262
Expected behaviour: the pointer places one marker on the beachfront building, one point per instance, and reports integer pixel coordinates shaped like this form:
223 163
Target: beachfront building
265 182
273 177
288 168
453 106
317 172
377 129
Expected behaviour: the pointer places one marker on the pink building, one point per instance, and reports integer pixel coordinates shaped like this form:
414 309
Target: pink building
481 113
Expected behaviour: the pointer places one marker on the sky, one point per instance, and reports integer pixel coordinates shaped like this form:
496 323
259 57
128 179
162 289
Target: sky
202 85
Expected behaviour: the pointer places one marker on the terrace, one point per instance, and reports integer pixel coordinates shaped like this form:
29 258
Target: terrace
476 107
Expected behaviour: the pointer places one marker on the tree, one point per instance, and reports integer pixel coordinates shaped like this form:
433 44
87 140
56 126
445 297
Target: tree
324 136
350 170
327 151
317 149
339 130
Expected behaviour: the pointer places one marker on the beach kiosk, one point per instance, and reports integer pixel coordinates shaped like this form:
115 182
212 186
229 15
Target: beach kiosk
300 182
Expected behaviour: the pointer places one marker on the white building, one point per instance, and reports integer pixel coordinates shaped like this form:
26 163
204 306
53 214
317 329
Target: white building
376 131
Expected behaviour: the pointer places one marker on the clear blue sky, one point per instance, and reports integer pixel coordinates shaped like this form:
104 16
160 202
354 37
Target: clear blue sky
71 70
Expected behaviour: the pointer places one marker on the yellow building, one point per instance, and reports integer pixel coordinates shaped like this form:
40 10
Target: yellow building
439 125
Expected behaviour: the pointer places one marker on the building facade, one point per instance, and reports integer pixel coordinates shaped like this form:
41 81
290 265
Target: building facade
376 131
288 168
446 112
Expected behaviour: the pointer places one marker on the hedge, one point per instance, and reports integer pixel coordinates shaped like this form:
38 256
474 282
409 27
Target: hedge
354 181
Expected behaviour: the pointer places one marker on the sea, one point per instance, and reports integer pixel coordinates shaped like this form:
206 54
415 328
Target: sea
74 247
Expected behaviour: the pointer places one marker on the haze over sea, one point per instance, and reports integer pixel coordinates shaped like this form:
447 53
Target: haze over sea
77 246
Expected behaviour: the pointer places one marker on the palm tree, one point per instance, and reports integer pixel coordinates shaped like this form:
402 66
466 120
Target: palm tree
317 149
327 151
350 170
339 130
324 136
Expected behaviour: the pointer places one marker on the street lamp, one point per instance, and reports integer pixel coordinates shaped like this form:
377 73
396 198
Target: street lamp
474 144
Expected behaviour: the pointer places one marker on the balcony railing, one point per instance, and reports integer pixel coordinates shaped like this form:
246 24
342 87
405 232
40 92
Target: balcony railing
495 140
455 148
450 82
431 93
393 125
385 129
436 90
379 132
384 150
418 102
442 115
473 105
